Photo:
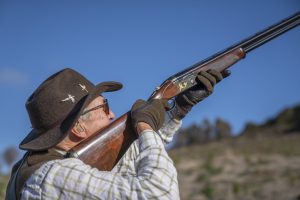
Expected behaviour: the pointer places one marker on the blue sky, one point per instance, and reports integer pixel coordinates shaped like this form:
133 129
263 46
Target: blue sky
141 43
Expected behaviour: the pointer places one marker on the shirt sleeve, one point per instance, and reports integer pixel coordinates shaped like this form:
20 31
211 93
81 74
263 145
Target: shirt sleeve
155 177
169 128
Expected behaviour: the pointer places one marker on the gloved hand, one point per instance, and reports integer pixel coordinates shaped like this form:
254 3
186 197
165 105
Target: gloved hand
152 113
206 82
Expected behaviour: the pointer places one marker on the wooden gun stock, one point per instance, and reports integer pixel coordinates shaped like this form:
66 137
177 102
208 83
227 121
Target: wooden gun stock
104 149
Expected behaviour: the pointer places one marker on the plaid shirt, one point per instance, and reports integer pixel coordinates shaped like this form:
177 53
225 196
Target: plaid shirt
144 172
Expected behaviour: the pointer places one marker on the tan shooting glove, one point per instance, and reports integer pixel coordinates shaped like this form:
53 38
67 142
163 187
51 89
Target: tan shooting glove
206 82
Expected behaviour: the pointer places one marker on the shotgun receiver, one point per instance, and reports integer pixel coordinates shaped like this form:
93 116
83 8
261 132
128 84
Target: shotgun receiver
104 149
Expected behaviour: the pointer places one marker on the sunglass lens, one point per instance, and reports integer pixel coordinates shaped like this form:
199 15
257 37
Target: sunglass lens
106 108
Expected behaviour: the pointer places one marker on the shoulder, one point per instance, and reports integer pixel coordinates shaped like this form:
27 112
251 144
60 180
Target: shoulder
53 176
56 169
72 179
54 166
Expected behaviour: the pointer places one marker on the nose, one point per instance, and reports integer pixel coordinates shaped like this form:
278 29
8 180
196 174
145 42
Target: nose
111 115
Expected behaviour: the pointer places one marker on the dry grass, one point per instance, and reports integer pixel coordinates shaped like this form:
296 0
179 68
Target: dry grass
263 168
3 183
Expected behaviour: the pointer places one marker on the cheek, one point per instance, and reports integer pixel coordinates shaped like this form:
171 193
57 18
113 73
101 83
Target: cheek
101 117
102 120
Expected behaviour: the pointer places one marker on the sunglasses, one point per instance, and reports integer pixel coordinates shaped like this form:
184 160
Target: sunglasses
104 106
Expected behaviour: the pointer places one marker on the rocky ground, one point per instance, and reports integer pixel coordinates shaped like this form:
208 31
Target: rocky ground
247 169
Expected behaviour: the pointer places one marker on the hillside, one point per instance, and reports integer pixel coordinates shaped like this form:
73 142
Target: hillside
287 121
263 162
264 168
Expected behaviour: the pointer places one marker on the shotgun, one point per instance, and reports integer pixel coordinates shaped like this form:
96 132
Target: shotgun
104 149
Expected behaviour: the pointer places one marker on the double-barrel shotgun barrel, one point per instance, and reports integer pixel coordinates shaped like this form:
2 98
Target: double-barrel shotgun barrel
104 149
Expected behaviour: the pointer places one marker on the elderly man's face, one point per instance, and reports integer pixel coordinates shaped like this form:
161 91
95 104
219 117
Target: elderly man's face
97 118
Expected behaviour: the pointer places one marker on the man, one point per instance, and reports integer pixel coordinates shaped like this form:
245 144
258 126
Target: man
66 109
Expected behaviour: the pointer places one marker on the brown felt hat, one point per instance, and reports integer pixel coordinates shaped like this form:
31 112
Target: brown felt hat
55 106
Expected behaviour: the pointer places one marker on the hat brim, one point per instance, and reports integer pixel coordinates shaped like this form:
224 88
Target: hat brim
38 140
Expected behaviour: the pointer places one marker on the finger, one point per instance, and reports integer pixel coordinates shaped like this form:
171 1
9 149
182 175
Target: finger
205 81
210 77
226 73
138 103
218 76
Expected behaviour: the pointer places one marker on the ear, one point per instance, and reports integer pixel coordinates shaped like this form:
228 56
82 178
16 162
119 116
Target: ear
79 131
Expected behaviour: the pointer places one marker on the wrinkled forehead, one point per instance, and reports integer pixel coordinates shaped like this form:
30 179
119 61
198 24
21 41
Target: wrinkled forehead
96 102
